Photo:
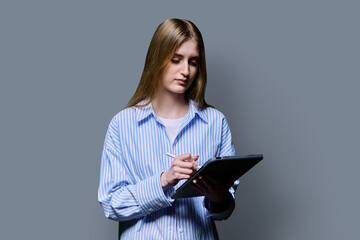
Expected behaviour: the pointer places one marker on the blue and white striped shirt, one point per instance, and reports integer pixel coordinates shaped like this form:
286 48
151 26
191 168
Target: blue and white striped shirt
133 158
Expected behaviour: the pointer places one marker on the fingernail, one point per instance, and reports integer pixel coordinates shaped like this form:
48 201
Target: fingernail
194 181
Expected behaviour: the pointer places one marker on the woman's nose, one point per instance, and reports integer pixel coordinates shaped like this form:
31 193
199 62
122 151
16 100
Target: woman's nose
185 69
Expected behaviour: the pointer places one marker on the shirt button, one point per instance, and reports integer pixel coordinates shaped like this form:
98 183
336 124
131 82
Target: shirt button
180 230
150 209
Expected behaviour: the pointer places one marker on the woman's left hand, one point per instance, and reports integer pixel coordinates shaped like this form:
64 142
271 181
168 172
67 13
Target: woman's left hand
215 191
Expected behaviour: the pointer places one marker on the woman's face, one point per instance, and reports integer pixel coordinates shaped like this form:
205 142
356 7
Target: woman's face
181 70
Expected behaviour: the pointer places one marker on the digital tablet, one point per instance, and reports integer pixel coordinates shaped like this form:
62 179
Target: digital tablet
221 169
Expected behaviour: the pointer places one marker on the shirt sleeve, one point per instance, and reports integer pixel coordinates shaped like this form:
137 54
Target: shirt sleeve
225 214
121 198
226 149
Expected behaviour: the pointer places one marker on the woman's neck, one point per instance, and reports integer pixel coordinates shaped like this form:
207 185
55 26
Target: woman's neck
170 105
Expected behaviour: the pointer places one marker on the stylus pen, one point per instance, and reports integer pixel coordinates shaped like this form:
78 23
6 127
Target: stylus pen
173 156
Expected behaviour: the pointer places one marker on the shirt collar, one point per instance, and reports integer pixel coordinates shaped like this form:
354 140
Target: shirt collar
193 111
143 113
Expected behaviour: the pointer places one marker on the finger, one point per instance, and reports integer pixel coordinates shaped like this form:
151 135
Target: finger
197 187
207 183
184 157
201 184
180 176
182 164
195 158
183 171
212 180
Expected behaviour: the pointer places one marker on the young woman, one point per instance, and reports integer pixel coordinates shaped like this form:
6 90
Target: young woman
167 114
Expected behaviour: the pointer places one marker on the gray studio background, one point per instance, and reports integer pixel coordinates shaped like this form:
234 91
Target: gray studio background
285 73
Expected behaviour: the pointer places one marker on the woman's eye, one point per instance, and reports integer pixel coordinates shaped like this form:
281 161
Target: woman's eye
195 64
175 60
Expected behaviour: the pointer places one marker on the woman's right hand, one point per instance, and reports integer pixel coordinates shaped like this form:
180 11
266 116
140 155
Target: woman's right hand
182 167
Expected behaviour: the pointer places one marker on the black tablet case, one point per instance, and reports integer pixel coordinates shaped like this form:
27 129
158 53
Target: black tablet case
221 169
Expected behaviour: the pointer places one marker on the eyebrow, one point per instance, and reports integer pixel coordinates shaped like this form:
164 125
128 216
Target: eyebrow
181 56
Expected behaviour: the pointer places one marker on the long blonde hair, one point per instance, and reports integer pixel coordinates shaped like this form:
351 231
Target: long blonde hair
167 38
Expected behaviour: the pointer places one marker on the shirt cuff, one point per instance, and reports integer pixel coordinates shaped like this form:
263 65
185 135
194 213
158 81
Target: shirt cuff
151 197
225 214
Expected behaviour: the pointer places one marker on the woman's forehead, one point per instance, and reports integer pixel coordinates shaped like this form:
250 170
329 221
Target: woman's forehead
188 48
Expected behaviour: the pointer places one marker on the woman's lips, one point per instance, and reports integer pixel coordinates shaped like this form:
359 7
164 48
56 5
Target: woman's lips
182 81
